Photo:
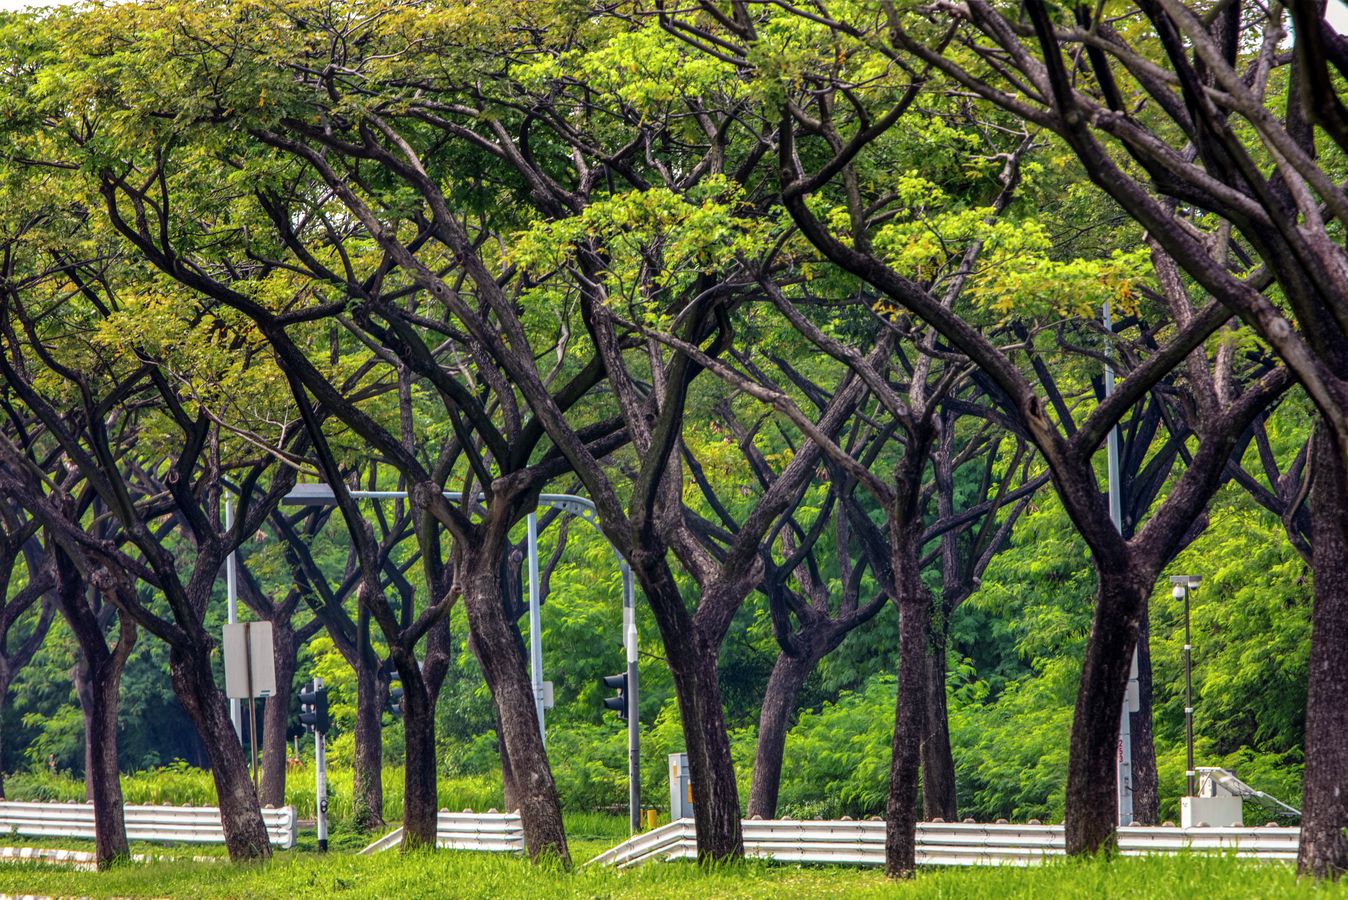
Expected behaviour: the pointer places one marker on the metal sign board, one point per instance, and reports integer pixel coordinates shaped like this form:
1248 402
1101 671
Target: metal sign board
250 667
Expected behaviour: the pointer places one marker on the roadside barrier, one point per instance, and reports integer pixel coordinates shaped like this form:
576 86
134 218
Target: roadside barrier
846 842
490 832
191 824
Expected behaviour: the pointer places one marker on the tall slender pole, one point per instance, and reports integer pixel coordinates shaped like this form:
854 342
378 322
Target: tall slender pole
232 598
1188 704
633 700
321 776
252 708
535 625
1125 753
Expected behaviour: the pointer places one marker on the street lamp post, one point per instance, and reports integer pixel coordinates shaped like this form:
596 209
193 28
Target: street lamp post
1124 763
1183 584
580 507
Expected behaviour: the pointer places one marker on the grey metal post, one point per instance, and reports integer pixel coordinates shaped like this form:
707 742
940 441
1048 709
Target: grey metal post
535 626
1188 698
252 706
1125 758
232 598
633 700
321 774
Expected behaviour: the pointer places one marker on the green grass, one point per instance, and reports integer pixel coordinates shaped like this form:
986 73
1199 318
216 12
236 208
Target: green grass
466 876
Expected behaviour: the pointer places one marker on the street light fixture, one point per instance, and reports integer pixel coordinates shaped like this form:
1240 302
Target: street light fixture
322 495
1183 584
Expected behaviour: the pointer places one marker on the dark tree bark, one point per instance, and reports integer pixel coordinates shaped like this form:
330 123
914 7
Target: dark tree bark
1324 797
245 834
105 677
372 686
909 719
910 595
509 793
779 705
1121 598
98 682
1146 778
496 643
938 761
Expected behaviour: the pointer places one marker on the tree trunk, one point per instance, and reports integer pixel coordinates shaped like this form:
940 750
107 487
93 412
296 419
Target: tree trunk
104 778
711 770
240 815
938 762
3 694
509 796
1092 779
909 724
276 717
98 679
692 661
495 640
420 812
1324 797
79 676
1146 778
367 797
509 793
779 703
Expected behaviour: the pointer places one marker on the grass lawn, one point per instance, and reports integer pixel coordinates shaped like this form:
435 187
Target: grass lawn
469 876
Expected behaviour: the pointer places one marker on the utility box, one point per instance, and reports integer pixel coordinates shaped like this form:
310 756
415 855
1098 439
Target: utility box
680 788
1214 805
1215 811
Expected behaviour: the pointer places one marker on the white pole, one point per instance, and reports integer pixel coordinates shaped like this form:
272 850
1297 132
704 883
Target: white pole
1125 754
321 774
535 625
232 593
633 700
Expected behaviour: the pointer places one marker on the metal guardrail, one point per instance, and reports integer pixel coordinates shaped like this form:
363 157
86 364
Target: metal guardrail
490 832
846 842
191 824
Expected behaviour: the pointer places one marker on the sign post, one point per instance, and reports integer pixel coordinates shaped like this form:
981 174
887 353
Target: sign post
250 671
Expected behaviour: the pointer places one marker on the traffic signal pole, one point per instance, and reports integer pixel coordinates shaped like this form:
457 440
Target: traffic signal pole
314 716
633 705
321 774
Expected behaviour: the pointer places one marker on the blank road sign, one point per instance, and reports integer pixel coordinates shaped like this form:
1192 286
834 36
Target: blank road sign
246 646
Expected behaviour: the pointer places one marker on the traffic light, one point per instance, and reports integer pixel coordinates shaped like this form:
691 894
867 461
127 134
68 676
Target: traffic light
619 702
395 697
314 709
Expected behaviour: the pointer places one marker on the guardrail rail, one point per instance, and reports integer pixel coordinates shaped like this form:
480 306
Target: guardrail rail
191 824
489 832
846 842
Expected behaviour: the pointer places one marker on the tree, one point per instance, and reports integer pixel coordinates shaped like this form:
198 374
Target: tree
1125 569
75 395
1283 219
